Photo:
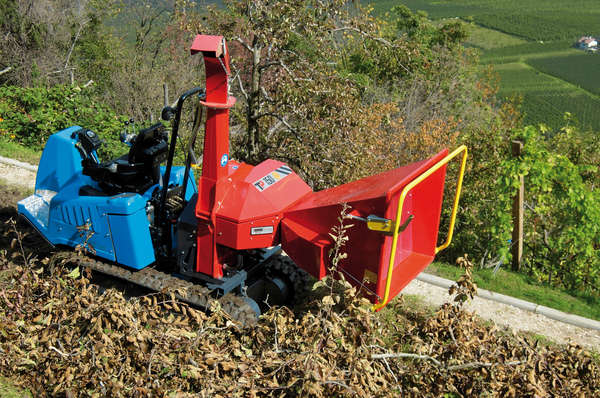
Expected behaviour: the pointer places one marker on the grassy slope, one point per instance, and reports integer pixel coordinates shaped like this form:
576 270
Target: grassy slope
13 150
523 287
488 39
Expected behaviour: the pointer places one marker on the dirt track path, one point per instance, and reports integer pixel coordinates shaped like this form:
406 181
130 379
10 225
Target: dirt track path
501 314
17 176
512 318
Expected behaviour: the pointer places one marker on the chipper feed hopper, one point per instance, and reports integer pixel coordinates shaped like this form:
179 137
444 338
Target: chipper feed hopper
144 220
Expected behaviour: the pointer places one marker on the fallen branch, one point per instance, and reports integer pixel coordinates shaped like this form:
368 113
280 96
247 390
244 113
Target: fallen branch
5 70
472 365
406 355
59 352
462 366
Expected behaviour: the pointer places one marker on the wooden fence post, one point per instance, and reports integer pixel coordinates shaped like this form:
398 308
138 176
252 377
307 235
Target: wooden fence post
517 214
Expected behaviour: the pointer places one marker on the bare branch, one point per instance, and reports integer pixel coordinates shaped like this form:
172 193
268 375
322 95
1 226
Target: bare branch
5 70
363 33
151 22
266 95
74 42
286 68
243 43
59 352
282 120
472 365
274 128
239 79
462 366
406 355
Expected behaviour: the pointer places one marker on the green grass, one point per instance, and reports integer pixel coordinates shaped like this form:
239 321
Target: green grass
580 69
489 39
8 390
523 287
527 50
11 149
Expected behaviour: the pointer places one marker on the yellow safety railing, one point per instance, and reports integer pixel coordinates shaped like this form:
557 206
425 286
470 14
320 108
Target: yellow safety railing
405 192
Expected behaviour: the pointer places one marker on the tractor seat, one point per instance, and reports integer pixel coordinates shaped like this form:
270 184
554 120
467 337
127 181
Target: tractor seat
134 172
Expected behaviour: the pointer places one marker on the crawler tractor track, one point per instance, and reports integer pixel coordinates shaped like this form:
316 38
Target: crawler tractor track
237 307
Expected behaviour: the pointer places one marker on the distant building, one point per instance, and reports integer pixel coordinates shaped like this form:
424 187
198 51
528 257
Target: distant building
587 43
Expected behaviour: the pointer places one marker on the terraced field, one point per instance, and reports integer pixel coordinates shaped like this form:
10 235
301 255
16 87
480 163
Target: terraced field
546 20
545 99
580 69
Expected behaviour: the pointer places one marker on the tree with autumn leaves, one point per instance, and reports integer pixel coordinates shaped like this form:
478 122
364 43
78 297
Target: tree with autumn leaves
317 81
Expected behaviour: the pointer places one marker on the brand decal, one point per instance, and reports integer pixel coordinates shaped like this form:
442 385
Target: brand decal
261 230
271 178
224 160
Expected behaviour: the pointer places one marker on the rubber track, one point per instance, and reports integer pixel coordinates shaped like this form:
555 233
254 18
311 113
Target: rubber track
235 306
300 279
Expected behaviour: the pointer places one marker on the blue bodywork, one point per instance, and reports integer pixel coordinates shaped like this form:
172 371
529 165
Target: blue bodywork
119 225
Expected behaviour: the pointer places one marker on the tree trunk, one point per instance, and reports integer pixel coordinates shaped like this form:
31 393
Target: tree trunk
254 104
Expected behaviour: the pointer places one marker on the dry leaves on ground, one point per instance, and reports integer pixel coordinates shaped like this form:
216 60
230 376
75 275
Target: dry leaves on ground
60 336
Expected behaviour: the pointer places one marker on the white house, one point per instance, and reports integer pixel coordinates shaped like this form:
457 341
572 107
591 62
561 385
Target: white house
587 42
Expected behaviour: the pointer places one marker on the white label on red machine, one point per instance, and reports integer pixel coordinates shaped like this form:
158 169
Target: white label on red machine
272 178
261 230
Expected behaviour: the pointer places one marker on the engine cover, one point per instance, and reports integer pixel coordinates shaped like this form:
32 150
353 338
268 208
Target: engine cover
250 203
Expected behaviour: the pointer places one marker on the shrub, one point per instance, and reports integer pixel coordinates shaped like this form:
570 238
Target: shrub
562 215
31 115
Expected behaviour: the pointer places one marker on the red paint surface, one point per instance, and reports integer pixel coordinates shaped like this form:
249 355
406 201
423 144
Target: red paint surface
306 227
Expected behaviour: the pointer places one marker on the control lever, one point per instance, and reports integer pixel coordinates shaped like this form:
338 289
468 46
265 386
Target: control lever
127 136
380 224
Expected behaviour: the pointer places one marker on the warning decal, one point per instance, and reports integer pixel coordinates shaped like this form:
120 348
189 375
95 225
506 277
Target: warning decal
272 178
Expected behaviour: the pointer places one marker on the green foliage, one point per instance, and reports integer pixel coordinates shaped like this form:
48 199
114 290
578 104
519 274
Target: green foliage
562 226
44 41
23 27
414 46
30 115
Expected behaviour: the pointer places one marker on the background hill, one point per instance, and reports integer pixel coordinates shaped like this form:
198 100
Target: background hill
530 44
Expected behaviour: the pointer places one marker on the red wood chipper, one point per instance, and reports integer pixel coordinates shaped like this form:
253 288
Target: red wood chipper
221 239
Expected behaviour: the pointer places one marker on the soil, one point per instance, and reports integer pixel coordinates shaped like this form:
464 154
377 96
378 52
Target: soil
505 316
